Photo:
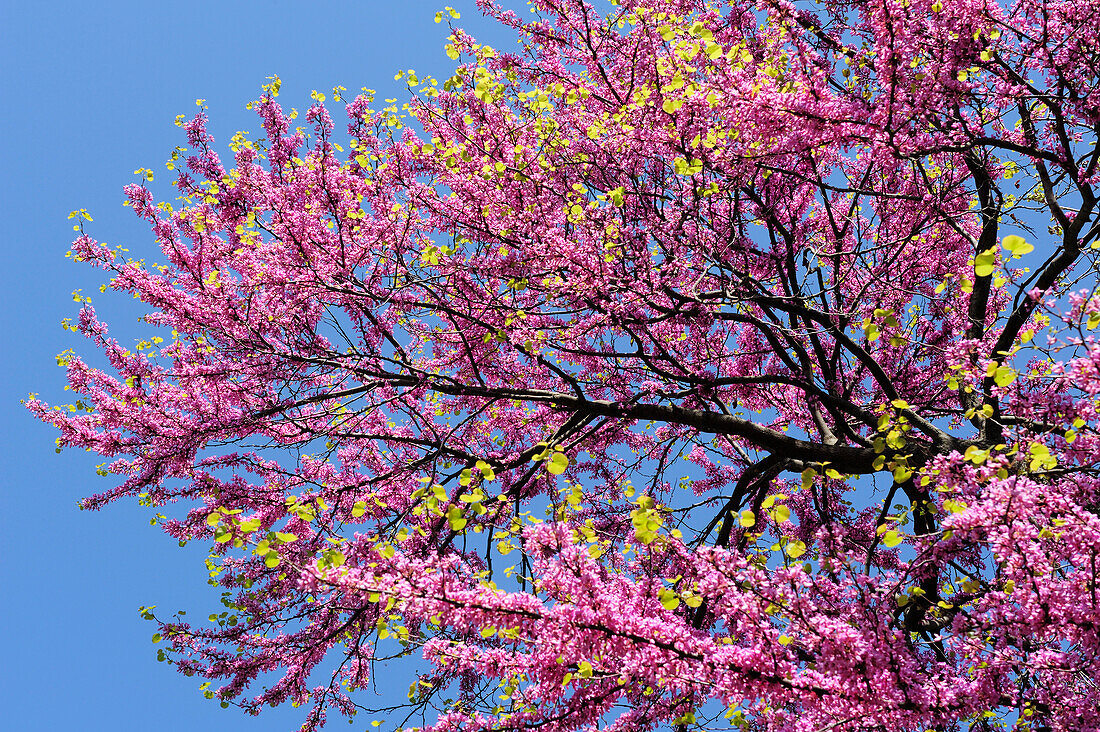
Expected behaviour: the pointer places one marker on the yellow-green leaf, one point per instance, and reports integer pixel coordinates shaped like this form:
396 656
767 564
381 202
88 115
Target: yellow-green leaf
668 599
983 262
1041 459
557 463
487 473
953 506
1016 245
1004 375
455 518
976 455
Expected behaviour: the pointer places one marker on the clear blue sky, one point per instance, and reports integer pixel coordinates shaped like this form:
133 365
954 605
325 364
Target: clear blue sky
90 91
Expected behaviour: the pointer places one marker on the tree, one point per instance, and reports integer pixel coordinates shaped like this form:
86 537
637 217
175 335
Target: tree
698 359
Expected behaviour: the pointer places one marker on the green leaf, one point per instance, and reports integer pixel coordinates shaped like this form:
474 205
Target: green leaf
683 167
272 560
781 514
251 525
1041 459
1004 375
983 262
891 539
953 506
455 518
286 537
976 455
748 519
668 599
487 473
796 549
1016 245
358 509
557 463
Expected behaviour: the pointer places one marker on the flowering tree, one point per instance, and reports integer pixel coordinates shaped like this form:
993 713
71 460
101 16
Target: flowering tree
700 359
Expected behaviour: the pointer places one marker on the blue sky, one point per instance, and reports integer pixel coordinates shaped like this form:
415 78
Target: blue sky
90 92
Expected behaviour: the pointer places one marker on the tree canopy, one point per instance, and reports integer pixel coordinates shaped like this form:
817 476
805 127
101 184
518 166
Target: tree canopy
699 363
